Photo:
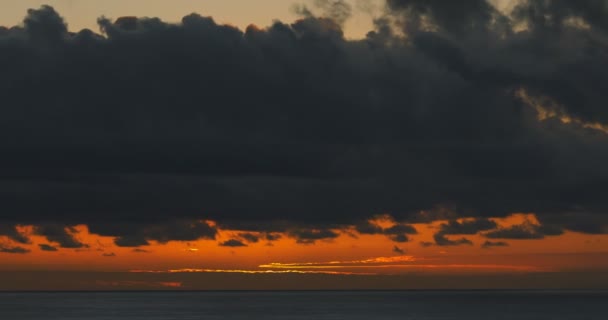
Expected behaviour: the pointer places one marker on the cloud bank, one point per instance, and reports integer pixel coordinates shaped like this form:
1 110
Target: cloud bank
147 128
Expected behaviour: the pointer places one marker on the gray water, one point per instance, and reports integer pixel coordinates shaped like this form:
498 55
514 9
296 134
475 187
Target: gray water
419 305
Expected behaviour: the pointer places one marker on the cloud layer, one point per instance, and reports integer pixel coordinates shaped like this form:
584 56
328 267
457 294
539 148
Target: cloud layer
147 128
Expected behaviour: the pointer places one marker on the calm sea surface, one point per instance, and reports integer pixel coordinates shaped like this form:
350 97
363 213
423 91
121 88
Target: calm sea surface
420 305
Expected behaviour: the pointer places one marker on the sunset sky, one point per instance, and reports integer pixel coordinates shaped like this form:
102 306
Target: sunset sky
322 144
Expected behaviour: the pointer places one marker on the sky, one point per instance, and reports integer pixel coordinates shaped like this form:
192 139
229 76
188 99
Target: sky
220 145
83 14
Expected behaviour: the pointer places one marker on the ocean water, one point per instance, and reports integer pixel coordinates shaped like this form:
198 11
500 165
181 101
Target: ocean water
415 305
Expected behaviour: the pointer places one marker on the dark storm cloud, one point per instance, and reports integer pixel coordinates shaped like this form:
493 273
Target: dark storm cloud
61 235
400 229
489 244
397 232
273 236
152 123
399 238
367 227
310 236
585 222
468 226
233 243
12 233
13 249
47 247
249 237
138 234
450 16
336 10
525 230
442 241
554 14
454 227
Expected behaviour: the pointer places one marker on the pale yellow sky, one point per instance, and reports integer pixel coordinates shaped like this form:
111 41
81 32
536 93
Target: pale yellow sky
84 13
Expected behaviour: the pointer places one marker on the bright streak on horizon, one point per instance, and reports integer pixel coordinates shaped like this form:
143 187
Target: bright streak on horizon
194 270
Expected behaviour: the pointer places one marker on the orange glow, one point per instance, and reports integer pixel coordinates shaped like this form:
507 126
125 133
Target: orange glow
348 254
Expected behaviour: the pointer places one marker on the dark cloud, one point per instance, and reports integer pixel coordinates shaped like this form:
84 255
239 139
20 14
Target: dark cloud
233 243
450 16
273 236
398 250
367 227
441 240
249 237
557 14
399 238
62 235
585 222
45 26
526 230
150 124
136 234
398 232
109 254
181 231
489 244
13 234
400 229
310 236
47 247
13 249
469 227
336 10
139 250
454 227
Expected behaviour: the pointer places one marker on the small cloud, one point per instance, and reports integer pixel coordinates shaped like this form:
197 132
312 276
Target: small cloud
399 238
310 236
398 250
469 227
400 229
47 247
249 237
16 250
273 236
138 250
110 254
233 243
426 244
490 244
442 241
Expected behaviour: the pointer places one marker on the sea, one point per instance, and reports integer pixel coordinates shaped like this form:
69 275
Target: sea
414 305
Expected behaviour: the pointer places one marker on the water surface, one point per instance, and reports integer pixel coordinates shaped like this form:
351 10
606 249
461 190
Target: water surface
418 305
